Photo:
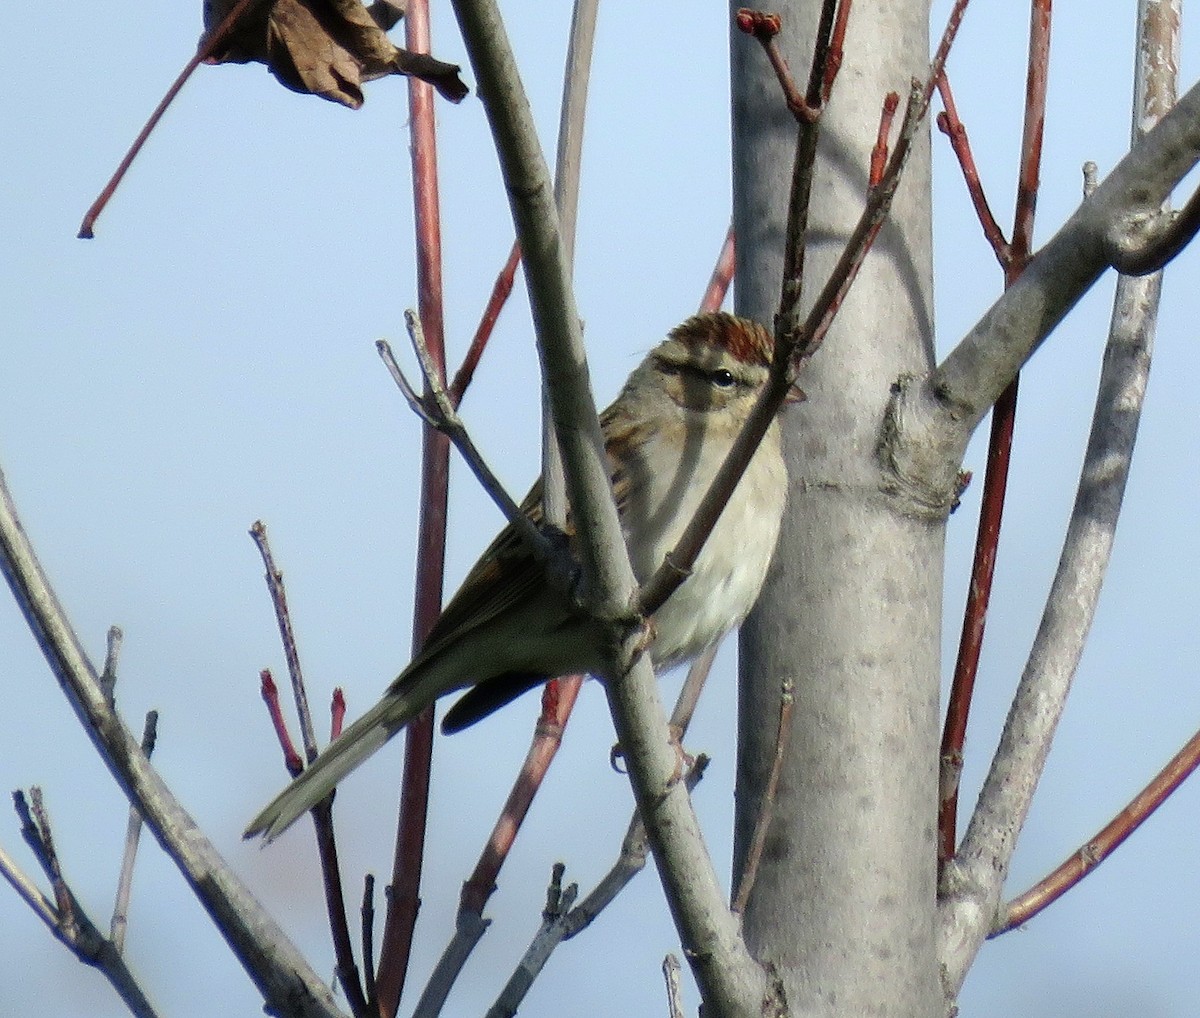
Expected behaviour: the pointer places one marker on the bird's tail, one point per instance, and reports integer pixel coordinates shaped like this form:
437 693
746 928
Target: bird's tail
340 757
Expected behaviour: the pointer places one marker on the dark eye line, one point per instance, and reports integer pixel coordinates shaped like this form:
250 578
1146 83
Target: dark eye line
722 378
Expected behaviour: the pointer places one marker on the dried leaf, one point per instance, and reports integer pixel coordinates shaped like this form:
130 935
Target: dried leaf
326 47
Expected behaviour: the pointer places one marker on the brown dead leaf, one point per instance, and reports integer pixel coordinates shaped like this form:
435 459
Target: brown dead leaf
326 47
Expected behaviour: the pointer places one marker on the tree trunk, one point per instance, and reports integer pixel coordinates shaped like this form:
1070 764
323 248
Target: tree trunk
843 905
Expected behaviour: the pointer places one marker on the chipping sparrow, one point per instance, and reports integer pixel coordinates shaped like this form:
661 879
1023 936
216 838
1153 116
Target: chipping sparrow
507 630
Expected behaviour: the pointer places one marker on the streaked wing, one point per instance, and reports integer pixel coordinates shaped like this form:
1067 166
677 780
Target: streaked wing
506 572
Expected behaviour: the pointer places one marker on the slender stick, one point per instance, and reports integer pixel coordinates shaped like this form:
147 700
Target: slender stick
208 46
404 900
1098 848
133 837
322 813
1013 258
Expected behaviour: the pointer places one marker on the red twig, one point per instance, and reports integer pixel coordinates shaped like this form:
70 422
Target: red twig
879 153
558 700
722 275
1013 259
487 322
952 127
765 27
270 694
404 900
837 43
1026 906
337 713
208 46
1031 138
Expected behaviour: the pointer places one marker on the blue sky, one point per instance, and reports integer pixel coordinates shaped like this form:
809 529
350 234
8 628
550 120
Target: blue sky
208 360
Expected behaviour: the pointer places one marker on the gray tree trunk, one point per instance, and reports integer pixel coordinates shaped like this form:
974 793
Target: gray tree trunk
843 906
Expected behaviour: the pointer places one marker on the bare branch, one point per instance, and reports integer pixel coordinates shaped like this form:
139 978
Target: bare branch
766 808
1047 891
279 971
133 837
287 635
208 45
66 919
972 883
404 900
437 409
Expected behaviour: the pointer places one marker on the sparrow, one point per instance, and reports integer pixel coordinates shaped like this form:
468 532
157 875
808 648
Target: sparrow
508 629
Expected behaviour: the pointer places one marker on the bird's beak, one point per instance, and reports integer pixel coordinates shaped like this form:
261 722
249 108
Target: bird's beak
795 395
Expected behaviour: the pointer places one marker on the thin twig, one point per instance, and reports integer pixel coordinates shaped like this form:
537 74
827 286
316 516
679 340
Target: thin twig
722 275
331 875
208 46
1013 258
368 940
764 28
879 153
952 127
1052 887
404 900
287 635
270 694
837 43
766 808
558 700
108 677
563 919
67 919
671 976
437 410
501 290
133 834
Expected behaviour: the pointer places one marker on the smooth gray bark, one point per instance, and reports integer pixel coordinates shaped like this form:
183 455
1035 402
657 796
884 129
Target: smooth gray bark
843 905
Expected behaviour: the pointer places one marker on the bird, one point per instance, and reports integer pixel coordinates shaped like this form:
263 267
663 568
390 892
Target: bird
507 629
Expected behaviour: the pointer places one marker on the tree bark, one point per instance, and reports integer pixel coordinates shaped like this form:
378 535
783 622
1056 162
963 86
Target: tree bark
843 904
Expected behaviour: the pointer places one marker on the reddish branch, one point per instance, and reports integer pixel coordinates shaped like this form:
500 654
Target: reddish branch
722 276
487 322
879 153
952 127
1013 257
1091 855
558 700
404 900
331 874
796 344
208 46
765 27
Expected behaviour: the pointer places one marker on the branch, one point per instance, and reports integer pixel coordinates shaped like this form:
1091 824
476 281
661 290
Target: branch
404 900
972 882
133 837
65 917
1013 258
208 45
1047 891
728 975
278 970
322 814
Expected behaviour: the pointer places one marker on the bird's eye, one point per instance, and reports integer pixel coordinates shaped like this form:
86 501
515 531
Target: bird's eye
722 378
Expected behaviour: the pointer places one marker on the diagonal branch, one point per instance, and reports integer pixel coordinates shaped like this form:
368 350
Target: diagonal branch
1047 891
280 972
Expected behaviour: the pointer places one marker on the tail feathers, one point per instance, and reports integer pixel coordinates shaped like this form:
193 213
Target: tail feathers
340 757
